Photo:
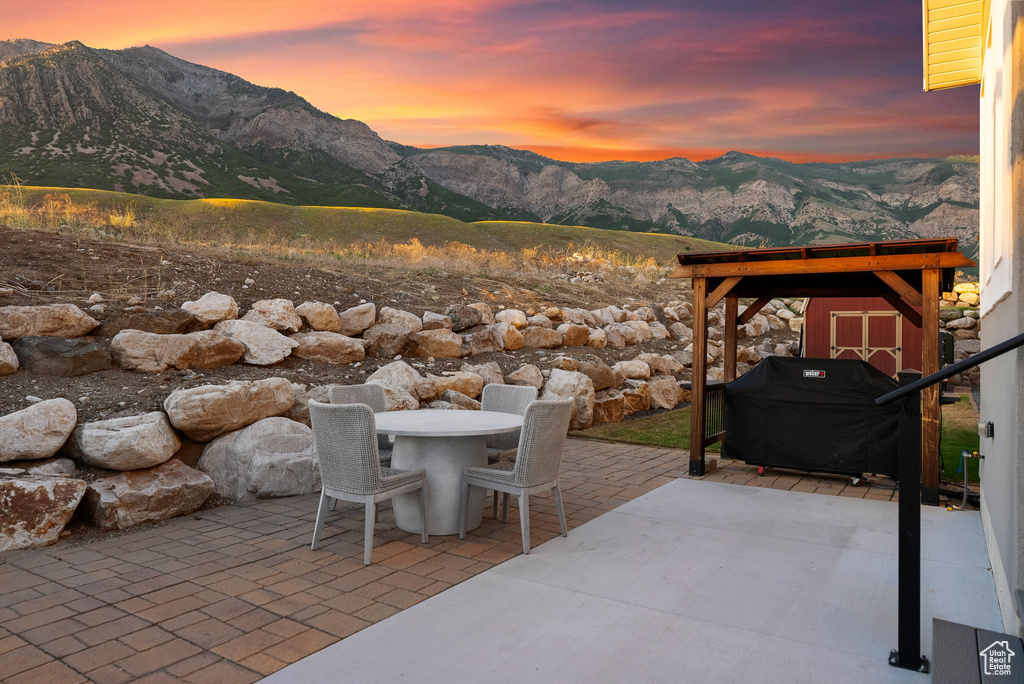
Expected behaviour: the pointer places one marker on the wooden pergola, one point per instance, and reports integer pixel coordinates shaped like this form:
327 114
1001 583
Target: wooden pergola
906 273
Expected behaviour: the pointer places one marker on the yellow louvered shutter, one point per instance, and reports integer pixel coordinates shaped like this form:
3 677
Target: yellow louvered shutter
953 45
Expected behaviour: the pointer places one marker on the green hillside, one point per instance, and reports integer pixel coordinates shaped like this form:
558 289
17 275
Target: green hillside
234 221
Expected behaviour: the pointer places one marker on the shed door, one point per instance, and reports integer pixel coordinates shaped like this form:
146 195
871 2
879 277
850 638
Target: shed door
872 336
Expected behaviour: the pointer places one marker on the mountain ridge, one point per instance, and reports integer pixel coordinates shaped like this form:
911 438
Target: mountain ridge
145 121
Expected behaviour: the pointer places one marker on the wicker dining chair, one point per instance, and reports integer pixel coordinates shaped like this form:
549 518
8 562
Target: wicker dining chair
350 469
374 397
535 469
505 399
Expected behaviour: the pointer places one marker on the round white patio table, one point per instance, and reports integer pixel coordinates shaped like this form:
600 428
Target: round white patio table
441 442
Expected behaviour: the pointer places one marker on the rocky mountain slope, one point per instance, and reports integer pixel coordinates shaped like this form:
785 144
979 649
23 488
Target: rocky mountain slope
141 120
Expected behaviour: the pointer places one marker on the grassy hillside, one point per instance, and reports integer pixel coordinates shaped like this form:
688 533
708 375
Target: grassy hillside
235 221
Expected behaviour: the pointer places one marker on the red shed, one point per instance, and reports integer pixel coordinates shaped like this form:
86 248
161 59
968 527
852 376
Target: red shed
867 328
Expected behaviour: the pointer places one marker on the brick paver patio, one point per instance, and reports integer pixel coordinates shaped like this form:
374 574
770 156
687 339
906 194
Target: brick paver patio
234 593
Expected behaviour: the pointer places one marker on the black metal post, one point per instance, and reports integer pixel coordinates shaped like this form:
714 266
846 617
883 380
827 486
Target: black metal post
907 654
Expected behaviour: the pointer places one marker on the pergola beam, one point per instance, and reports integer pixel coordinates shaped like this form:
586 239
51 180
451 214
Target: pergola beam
901 287
909 312
882 262
753 310
723 289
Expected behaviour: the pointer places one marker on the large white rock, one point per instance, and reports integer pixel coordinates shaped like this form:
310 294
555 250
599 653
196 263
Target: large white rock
627 333
152 353
37 431
633 370
357 319
329 347
511 338
129 443
597 338
438 344
273 457
300 409
757 326
469 384
397 399
215 349
512 317
319 316
8 359
411 322
34 509
642 328
576 386
120 501
207 411
402 376
541 338
528 374
490 372
263 346
489 338
664 391
50 320
212 308
278 314
486 314
574 335
436 321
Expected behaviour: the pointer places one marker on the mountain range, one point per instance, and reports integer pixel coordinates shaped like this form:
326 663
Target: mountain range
141 120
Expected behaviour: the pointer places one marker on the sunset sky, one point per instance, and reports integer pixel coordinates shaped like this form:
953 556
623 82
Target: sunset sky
577 80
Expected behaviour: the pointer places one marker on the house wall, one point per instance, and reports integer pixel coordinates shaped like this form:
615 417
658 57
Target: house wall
1002 283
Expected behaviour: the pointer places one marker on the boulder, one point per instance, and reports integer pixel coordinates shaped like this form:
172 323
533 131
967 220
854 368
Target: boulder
680 313
396 399
300 409
965 288
627 333
661 365
597 338
469 384
46 467
609 407
150 352
540 321
271 458
35 509
410 322
574 335
65 357
781 349
161 322
125 500
8 358
50 320
599 373
566 363
464 317
386 340
490 372
486 315
541 338
511 338
971 334
633 370
320 316
278 314
212 308
528 374
614 338
404 377
685 357
130 443
459 399
37 431
659 331
664 392
961 323
329 347
436 321
439 405
576 386
796 324
637 396
263 346
961 349
757 326
643 330
776 323
785 314
438 344
207 411
357 319
214 349
513 317
486 339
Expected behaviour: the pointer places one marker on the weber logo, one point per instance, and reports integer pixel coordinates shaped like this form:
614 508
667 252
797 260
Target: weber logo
814 374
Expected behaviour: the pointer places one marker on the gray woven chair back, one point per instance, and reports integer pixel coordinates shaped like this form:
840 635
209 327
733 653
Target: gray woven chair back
545 427
346 447
506 399
371 395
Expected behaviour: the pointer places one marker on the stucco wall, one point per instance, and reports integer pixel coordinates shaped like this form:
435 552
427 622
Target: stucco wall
1002 281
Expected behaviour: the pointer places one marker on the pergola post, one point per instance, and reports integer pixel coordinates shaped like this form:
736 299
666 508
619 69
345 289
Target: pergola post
732 309
930 409
699 376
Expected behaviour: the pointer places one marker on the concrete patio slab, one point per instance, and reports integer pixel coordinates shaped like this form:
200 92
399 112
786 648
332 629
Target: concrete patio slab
695 581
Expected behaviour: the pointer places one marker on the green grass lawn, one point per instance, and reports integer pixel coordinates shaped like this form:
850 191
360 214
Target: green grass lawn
672 429
669 429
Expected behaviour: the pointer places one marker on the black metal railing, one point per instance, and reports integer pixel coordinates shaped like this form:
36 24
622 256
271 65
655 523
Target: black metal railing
906 655
714 412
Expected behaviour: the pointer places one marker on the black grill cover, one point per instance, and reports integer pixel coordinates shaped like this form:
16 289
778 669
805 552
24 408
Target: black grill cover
812 414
